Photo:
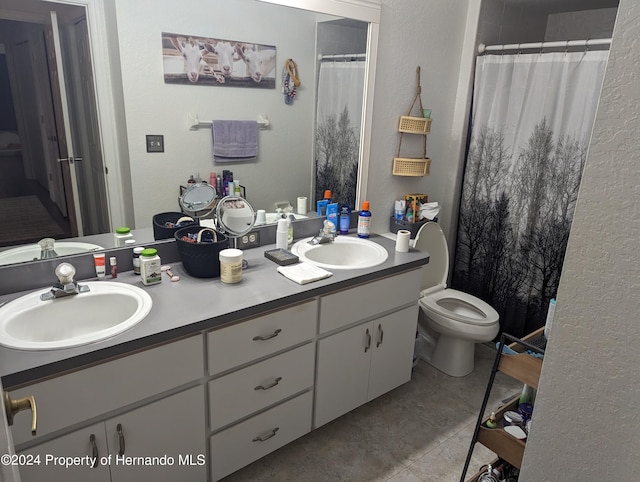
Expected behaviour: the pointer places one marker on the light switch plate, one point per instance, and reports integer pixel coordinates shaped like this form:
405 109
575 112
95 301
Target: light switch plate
155 143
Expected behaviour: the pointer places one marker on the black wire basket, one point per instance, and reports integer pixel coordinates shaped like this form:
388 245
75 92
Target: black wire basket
200 259
160 220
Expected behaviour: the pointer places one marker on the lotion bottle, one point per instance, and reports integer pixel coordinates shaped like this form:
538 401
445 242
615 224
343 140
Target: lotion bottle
364 221
282 234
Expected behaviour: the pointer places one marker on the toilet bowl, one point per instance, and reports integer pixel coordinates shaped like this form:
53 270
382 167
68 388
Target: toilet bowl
451 321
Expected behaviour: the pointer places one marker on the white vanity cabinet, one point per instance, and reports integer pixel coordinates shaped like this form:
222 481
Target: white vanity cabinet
365 355
170 429
260 397
169 423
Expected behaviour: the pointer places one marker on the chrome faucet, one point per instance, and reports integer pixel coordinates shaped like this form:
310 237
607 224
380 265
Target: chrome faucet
66 285
326 235
47 248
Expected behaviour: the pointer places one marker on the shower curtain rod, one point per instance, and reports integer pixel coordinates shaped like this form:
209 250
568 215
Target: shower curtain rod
482 48
344 57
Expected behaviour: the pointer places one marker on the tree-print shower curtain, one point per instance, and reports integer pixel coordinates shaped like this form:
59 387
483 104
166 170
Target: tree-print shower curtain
339 112
531 125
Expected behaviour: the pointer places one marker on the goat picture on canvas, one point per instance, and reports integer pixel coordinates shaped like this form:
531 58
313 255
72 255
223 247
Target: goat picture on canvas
208 61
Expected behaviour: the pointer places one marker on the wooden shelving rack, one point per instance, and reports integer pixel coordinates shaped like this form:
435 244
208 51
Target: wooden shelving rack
522 367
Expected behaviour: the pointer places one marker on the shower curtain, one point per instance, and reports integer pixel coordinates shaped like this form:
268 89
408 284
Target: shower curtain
532 116
339 112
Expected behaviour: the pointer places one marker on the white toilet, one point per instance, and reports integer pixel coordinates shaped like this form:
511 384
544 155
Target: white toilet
450 321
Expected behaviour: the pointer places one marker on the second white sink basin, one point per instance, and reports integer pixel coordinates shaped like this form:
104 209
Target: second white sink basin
30 252
109 308
342 253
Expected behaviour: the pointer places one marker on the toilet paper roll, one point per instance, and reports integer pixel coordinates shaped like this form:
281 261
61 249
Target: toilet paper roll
402 241
302 205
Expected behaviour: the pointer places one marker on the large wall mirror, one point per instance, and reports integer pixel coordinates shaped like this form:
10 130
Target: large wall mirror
74 165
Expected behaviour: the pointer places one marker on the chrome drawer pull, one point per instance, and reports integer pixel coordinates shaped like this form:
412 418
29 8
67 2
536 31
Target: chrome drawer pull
381 336
271 385
94 449
259 438
272 335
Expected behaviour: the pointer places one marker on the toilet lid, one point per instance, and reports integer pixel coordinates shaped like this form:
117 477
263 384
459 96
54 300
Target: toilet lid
430 238
460 306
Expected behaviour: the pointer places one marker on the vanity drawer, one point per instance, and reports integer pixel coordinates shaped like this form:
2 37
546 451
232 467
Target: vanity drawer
254 438
349 306
258 337
68 399
237 394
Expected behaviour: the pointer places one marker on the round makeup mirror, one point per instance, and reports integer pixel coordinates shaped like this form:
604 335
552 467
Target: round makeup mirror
235 216
198 199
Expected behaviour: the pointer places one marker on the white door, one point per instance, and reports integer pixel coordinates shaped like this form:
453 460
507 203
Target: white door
68 154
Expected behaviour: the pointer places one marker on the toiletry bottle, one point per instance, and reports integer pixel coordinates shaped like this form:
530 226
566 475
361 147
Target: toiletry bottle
113 262
290 220
98 260
150 266
282 233
137 251
364 221
345 218
123 233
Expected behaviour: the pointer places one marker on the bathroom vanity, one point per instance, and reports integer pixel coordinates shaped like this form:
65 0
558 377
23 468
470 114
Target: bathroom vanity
217 375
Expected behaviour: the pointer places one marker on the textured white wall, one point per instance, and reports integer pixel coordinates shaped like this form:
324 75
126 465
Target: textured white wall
585 425
431 34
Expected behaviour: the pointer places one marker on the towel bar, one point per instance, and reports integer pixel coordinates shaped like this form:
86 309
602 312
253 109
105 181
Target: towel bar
193 122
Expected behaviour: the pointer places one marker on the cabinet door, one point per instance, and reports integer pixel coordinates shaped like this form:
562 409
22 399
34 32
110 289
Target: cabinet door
392 352
343 372
85 444
171 429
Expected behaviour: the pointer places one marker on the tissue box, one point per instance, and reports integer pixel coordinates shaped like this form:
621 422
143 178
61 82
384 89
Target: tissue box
413 203
396 225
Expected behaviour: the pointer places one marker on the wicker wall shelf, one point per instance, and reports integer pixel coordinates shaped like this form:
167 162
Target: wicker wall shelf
410 166
414 125
413 166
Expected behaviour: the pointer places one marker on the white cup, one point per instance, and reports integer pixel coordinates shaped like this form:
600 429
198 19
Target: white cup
402 241
261 216
302 205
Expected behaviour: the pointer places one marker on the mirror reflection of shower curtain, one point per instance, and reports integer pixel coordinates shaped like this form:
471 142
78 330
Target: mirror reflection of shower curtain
339 112
532 121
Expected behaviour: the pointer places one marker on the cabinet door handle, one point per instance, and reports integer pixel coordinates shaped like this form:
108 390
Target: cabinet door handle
368 345
94 450
120 439
261 438
268 337
380 337
271 385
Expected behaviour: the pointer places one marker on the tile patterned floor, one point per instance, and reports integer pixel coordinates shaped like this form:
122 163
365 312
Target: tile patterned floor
419 432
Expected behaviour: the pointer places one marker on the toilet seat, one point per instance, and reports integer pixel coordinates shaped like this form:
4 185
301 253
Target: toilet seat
459 306
435 296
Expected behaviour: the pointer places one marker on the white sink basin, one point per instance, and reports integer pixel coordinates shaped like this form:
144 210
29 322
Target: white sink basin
109 308
342 253
29 252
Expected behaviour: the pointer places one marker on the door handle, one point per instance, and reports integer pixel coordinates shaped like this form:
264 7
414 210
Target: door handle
120 439
368 345
70 159
381 336
94 450
12 407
